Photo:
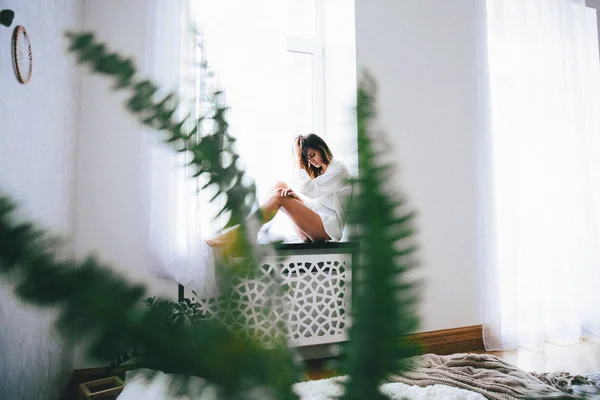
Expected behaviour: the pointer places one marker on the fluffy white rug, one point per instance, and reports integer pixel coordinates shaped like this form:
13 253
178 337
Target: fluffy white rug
136 387
327 389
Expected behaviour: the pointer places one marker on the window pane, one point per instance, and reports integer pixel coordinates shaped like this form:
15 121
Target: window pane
302 16
301 97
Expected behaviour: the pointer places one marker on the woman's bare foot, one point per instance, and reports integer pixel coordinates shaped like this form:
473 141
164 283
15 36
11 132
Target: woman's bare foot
226 238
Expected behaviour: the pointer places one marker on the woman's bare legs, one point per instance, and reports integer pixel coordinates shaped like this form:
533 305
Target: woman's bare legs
307 222
302 235
277 188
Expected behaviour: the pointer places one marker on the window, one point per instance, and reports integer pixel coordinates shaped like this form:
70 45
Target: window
287 67
305 66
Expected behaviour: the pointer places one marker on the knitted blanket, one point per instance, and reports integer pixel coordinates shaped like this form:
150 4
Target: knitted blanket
488 375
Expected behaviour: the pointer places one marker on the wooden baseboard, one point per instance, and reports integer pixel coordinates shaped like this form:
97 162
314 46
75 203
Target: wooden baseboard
449 341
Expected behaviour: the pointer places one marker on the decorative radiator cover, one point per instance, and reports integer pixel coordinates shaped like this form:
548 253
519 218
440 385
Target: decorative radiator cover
314 309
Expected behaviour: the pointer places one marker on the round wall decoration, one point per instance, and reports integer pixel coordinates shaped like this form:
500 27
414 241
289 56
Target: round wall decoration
22 55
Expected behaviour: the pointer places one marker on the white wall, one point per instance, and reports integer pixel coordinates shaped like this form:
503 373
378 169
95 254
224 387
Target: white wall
38 142
423 54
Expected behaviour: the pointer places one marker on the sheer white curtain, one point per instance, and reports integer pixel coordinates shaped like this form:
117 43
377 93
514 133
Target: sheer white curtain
177 216
542 266
246 46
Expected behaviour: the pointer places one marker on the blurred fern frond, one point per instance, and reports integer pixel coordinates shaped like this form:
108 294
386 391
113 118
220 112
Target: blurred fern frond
102 310
383 299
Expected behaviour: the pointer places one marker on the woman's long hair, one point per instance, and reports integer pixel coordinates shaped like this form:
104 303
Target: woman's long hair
314 142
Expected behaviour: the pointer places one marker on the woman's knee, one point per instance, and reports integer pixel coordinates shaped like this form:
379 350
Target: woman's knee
279 185
275 197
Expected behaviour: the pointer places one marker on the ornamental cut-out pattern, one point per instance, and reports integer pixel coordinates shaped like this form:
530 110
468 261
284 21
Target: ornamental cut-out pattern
313 308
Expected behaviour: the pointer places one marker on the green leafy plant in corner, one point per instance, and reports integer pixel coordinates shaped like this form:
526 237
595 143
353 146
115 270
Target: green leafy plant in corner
177 315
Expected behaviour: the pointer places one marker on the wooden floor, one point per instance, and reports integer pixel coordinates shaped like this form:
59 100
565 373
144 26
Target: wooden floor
580 358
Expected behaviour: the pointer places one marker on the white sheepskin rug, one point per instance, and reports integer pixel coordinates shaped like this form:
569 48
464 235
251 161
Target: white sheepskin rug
327 389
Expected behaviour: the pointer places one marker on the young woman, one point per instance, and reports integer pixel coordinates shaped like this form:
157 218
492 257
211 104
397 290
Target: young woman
323 180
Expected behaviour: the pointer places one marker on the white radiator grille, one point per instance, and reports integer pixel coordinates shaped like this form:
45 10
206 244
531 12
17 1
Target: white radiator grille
314 309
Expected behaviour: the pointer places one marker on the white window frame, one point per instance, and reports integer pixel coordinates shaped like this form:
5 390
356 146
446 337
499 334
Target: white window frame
316 48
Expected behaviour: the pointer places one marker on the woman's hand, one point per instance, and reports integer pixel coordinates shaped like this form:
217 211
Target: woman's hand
290 193
298 145
298 150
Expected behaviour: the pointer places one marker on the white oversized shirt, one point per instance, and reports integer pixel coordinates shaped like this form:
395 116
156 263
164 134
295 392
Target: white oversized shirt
328 195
